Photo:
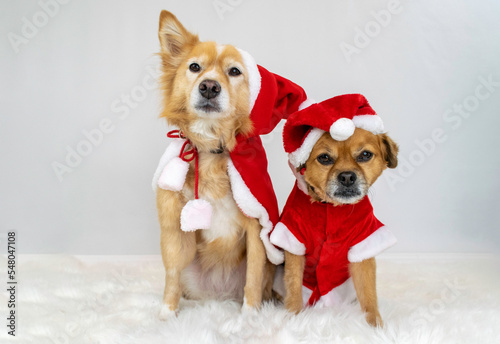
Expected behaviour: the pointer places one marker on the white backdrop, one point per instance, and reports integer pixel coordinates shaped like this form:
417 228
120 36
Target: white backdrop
80 137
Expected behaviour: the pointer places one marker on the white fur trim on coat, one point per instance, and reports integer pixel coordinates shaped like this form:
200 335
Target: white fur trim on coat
254 78
301 154
340 294
252 208
372 123
282 237
379 241
173 150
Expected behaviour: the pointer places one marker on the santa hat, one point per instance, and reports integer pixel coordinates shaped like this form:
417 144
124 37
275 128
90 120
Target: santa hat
338 116
272 98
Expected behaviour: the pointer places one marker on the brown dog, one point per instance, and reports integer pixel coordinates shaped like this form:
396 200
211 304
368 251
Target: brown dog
209 93
365 156
328 228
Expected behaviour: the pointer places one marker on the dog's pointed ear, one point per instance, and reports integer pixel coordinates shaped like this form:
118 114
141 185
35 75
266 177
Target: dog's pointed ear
390 151
174 38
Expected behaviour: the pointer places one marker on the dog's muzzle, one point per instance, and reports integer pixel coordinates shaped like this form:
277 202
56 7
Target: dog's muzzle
347 188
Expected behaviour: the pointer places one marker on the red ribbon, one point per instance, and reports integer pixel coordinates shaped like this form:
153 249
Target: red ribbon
187 155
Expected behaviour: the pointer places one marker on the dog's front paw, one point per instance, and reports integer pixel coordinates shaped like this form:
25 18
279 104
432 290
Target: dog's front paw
374 319
293 304
166 313
248 307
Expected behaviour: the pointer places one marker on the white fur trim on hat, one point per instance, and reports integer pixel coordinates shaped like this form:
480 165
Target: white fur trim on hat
196 214
254 78
306 103
174 175
173 150
282 237
301 154
372 123
342 129
377 242
252 208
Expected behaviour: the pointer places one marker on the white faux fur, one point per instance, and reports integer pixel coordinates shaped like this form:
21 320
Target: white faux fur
301 154
174 175
282 237
251 207
423 299
341 294
379 241
254 78
196 214
342 129
173 150
372 123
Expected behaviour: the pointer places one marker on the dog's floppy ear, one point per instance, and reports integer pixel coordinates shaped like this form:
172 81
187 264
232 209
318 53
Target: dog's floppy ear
390 150
173 36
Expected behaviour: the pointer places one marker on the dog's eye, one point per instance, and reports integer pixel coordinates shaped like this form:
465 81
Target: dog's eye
234 71
194 67
365 156
325 159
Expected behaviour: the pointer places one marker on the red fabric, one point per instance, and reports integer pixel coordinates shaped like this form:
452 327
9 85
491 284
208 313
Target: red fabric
322 115
327 232
188 156
278 97
249 158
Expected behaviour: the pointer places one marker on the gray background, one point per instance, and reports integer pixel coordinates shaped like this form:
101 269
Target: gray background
84 59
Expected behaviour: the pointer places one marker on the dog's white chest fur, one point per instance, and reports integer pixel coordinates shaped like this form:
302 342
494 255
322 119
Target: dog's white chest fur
224 223
224 216
204 127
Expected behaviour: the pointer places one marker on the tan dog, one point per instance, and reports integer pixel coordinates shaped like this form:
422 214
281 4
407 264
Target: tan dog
334 177
209 91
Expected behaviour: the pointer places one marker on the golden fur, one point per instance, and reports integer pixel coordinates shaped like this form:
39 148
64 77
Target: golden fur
319 178
215 255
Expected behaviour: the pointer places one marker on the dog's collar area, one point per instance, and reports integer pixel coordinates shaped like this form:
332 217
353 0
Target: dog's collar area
179 134
219 150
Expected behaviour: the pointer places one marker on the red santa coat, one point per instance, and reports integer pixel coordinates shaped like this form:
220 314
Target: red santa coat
330 237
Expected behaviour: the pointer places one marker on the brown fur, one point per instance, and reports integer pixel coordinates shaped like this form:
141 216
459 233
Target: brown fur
294 273
319 177
179 249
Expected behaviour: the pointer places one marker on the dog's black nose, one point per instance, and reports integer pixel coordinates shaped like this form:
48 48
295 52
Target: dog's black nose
209 89
347 178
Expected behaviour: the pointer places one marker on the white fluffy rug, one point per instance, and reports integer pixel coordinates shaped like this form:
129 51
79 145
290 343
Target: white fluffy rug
423 299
